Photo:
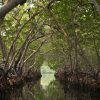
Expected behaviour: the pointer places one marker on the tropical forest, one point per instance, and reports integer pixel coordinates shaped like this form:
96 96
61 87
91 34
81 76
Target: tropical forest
49 49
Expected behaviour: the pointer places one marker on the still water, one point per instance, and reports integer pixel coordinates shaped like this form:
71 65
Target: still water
49 89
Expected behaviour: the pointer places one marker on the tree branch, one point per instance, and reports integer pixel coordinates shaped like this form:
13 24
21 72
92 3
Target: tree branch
3 48
97 6
9 6
33 53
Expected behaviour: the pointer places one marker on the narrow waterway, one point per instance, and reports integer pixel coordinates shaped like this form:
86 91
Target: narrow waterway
47 75
49 89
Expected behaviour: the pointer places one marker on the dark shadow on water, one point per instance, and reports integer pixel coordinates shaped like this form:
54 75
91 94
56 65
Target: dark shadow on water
55 91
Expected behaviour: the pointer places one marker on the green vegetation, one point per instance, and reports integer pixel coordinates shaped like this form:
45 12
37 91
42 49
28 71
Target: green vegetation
58 32
68 30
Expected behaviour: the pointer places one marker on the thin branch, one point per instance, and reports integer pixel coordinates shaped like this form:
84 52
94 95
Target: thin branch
31 55
82 54
97 6
3 48
17 35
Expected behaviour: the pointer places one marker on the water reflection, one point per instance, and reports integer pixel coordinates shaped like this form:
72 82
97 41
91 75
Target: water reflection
47 75
50 89
54 91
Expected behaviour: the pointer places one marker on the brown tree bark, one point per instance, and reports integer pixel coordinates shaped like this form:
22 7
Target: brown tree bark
3 48
9 6
3 11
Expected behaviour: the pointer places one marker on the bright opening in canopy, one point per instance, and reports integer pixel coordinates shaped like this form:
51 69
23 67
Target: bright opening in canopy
47 75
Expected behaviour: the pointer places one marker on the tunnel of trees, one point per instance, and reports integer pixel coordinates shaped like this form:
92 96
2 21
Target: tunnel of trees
64 33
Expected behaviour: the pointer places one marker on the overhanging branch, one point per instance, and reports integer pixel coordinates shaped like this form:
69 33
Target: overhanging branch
97 6
9 6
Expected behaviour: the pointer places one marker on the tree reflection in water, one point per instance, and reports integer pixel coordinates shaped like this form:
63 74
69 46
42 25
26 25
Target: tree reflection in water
55 91
50 89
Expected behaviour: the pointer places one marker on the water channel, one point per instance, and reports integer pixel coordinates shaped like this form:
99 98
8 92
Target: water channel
49 89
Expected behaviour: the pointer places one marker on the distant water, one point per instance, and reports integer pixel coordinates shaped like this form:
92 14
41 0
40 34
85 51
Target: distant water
47 75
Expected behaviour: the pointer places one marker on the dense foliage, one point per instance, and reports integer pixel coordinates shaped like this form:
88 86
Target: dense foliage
61 32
